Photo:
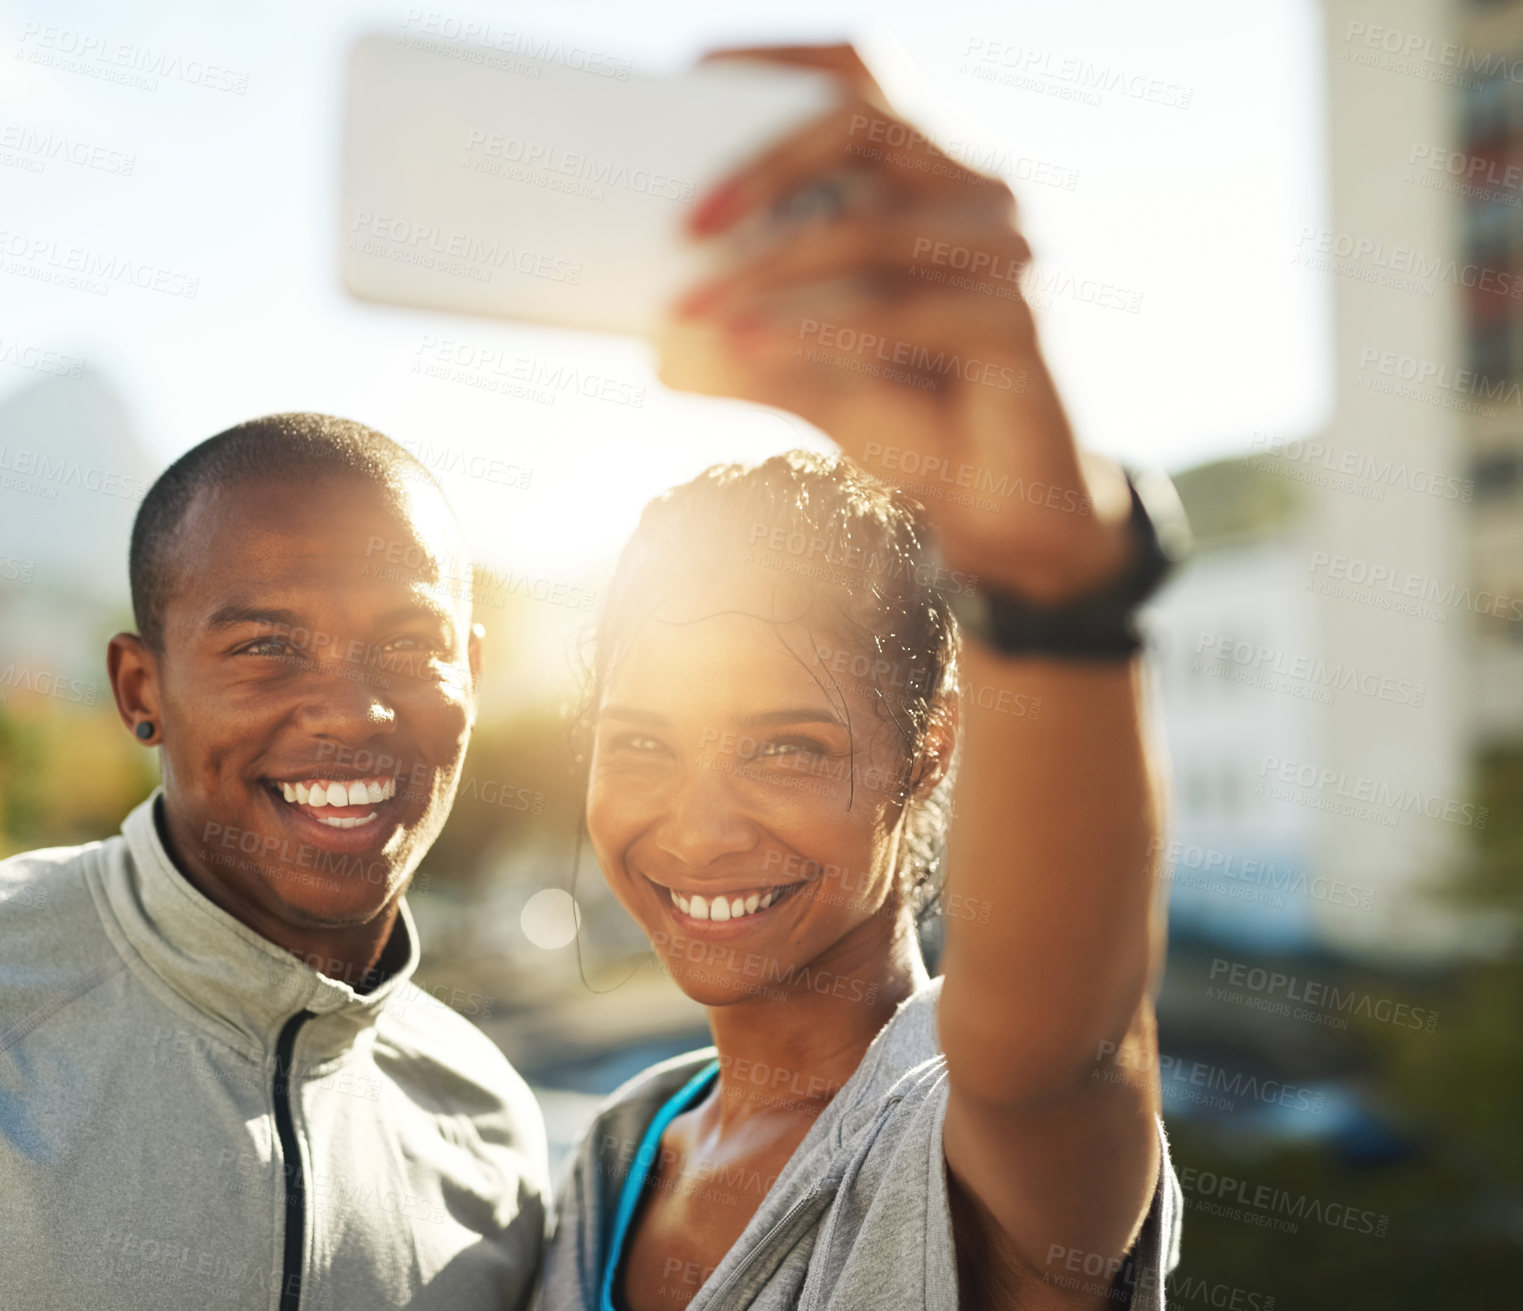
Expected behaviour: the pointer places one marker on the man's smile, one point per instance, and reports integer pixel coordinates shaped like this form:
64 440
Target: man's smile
345 814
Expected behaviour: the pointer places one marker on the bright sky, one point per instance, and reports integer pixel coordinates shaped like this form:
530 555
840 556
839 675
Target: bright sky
1196 208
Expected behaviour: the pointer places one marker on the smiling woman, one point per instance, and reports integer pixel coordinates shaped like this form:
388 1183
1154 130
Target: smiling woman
771 738
722 655
770 743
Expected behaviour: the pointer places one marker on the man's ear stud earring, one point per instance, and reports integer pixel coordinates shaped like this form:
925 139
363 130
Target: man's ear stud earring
144 730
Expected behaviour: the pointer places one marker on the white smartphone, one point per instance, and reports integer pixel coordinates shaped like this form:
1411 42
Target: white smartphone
482 181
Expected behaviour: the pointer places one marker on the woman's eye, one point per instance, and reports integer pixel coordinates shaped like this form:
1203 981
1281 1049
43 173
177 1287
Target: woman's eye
638 742
789 746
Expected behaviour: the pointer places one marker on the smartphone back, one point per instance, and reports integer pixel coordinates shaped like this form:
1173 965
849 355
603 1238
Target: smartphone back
482 181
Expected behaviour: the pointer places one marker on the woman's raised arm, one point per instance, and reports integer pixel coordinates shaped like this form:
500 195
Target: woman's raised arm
893 320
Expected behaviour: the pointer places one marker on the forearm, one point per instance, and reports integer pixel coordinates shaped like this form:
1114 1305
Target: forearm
1056 815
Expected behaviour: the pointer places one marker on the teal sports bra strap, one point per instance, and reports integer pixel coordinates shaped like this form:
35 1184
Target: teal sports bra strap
639 1172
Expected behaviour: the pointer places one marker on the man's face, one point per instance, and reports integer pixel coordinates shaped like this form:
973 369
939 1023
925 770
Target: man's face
317 693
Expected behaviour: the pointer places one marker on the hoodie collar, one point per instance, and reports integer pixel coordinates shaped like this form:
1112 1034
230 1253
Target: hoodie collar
230 974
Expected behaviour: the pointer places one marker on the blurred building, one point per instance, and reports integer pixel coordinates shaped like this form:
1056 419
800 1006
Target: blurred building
1485 176
1347 634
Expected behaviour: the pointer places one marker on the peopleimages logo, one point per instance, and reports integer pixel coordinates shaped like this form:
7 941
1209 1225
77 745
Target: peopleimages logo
489 152
1404 583
1395 259
1328 998
1408 368
1258 658
1340 784
1249 878
1423 49
868 352
420 243
989 59
1475 169
1221 1194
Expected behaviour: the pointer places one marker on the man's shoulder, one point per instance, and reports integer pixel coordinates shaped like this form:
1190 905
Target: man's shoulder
427 1044
52 941
48 887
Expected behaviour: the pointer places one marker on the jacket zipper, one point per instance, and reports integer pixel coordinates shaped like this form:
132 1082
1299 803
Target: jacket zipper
820 1193
290 1156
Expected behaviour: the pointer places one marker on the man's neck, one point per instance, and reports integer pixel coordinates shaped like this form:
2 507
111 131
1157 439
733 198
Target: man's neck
362 955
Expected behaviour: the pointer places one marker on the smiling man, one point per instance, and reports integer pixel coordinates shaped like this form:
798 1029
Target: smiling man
218 1086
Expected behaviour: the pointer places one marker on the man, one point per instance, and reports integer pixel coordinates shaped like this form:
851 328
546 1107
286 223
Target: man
218 1087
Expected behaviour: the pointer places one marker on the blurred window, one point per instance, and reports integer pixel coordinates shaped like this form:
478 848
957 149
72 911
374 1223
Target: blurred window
1495 474
1489 226
1490 349
1485 109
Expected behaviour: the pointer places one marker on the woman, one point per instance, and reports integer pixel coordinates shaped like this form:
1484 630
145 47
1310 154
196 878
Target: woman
774 724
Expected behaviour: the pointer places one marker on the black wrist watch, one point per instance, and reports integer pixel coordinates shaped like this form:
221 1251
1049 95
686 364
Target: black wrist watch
1101 625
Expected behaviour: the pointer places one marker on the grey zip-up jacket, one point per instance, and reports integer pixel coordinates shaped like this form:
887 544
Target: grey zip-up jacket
191 1118
858 1220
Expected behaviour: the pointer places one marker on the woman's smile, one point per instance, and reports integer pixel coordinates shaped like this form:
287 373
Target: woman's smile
722 914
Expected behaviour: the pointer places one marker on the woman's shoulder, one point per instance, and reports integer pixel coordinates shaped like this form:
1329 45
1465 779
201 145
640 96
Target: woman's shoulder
625 1113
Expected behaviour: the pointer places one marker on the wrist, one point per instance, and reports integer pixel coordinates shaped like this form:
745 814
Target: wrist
1074 614
1065 549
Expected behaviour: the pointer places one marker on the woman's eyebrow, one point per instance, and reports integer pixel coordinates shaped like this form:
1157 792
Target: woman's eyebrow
633 715
793 715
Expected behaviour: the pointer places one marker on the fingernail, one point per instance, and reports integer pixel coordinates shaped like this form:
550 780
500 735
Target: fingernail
741 327
697 300
716 210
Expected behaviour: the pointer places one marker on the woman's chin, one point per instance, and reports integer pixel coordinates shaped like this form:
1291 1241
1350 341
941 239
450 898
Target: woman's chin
715 985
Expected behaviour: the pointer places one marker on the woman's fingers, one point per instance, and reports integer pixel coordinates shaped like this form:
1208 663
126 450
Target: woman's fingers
845 343
842 61
972 257
856 138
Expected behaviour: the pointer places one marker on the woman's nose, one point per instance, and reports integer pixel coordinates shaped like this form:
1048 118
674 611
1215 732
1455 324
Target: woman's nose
702 821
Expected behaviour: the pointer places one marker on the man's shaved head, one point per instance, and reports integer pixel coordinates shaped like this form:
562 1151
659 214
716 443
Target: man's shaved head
297 448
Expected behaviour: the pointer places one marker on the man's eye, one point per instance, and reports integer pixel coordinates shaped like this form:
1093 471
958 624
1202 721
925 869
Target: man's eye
407 655
269 646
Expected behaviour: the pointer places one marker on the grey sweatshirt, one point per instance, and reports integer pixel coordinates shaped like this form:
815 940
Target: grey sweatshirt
858 1220
173 1135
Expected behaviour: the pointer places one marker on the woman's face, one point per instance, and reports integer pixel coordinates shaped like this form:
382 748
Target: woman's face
743 802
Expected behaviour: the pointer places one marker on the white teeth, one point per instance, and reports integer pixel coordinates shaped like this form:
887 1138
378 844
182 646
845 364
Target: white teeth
723 909
324 792
337 821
